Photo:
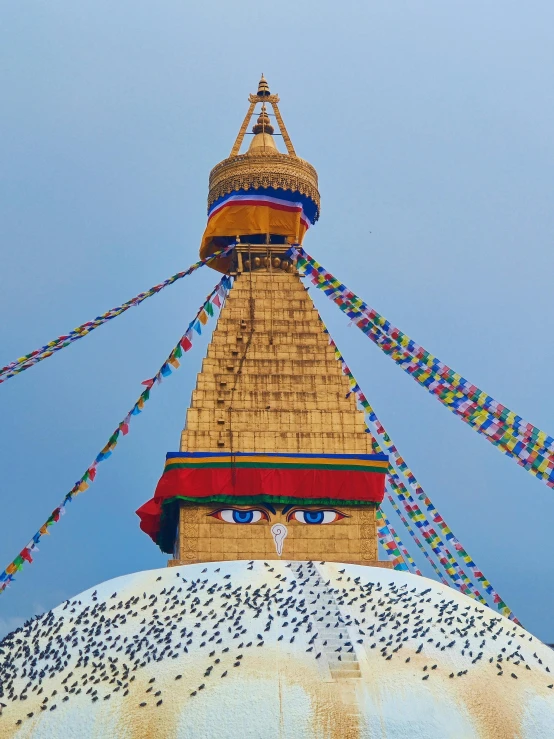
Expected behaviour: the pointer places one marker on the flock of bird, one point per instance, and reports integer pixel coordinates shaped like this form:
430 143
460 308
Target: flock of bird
201 624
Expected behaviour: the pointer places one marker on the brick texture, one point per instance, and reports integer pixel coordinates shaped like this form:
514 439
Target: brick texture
270 383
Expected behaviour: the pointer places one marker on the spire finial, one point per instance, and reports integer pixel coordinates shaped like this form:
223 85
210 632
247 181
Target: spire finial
261 167
263 124
263 87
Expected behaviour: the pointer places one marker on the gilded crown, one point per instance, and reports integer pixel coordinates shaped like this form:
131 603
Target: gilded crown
263 165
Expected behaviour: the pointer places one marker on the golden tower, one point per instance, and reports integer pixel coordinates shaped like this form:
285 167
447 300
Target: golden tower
270 383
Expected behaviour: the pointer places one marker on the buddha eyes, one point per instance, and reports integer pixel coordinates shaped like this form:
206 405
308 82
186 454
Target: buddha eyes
254 515
236 515
315 517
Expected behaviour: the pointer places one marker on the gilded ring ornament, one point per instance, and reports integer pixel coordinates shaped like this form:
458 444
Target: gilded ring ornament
247 171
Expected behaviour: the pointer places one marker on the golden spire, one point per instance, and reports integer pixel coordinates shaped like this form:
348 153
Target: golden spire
263 165
263 124
263 140
263 87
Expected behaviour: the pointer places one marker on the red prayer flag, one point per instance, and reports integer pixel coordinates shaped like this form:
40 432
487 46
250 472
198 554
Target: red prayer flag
26 554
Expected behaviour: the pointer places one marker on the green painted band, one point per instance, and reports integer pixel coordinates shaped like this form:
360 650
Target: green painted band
275 465
279 499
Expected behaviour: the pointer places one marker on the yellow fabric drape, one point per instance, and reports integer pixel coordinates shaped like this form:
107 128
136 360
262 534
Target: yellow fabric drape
234 220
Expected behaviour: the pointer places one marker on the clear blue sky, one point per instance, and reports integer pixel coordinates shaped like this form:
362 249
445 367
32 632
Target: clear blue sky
430 124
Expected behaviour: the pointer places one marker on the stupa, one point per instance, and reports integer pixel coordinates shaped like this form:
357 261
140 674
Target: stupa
275 461
275 618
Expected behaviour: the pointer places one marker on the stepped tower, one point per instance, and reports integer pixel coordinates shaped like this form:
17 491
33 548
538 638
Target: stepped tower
271 398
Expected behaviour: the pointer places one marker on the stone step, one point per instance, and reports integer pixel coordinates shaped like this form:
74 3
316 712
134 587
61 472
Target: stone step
345 674
283 441
347 667
285 382
258 360
240 337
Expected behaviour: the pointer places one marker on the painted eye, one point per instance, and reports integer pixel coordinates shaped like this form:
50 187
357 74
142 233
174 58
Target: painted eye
315 517
236 515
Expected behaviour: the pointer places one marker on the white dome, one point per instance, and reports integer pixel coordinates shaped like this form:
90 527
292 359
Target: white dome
266 650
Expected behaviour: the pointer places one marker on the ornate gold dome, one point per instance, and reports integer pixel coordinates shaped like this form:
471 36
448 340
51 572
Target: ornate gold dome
263 166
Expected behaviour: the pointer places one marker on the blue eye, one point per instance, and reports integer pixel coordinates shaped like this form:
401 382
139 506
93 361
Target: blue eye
313 516
306 515
236 515
243 516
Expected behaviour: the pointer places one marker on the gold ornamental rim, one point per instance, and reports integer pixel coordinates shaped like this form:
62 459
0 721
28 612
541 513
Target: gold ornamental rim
254 171
265 160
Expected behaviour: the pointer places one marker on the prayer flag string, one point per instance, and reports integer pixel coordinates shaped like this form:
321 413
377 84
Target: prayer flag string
435 543
215 298
530 447
388 542
500 434
447 560
36 356
432 538
415 538
406 554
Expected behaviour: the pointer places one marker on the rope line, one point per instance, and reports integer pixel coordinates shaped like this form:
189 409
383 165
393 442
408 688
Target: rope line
216 297
389 543
36 356
433 539
516 438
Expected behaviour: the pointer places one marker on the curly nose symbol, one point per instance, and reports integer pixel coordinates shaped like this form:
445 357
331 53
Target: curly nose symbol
279 533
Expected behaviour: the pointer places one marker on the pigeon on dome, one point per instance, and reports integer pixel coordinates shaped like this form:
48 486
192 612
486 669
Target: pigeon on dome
274 650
